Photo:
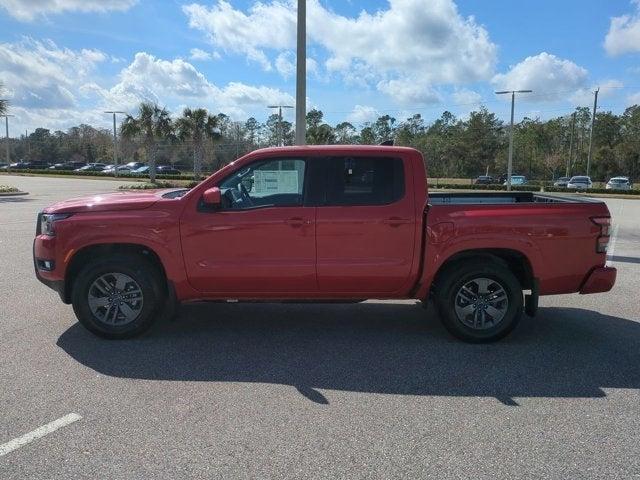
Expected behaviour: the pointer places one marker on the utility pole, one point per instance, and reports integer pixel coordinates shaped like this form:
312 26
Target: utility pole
571 142
6 126
115 140
513 103
593 123
301 75
280 133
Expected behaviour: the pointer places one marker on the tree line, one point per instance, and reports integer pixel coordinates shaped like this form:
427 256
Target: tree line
453 147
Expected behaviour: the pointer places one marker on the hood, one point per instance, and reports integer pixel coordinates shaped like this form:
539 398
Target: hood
107 202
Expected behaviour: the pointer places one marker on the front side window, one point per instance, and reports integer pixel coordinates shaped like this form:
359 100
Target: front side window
365 181
272 183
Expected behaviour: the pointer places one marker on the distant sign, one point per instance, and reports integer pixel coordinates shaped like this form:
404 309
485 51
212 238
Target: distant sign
270 182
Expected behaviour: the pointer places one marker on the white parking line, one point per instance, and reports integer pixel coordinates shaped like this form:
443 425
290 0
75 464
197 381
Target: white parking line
38 433
612 246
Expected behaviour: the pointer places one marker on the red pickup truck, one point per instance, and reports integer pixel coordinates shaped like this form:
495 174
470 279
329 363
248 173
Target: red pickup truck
321 223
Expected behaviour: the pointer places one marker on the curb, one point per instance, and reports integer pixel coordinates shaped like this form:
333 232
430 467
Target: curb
12 194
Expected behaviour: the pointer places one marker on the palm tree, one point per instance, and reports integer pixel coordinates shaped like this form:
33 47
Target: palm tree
196 126
4 104
152 124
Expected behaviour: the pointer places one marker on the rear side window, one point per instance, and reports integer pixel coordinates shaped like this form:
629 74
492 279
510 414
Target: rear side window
364 180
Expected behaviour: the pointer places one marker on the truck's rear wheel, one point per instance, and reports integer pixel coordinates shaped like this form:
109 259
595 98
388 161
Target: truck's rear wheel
479 301
117 297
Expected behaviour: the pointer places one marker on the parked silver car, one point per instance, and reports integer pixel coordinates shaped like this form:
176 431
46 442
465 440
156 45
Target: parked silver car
619 183
580 183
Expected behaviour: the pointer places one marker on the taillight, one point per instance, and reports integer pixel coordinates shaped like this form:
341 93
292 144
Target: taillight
602 242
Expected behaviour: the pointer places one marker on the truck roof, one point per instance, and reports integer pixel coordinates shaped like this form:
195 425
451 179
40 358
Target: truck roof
305 149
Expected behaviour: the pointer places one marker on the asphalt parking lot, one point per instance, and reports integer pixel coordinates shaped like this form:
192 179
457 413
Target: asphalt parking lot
373 390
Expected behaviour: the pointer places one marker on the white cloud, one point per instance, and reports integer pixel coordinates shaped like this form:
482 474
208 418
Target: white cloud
176 77
42 75
198 54
29 10
362 114
56 87
410 91
172 82
633 99
411 38
232 30
608 88
464 96
285 64
312 66
624 33
551 78
427 39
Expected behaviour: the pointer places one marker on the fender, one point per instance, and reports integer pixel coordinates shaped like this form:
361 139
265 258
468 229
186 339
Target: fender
437 255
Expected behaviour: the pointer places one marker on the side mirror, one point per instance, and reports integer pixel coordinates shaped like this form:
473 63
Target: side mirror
212 197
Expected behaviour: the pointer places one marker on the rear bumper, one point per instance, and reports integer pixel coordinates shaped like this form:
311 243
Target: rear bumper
599 280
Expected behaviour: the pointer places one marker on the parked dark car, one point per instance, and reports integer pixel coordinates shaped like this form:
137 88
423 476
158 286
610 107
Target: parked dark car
28 165
160 170
92 167
37 165
68 166
134 165
561 182
484 180
168 170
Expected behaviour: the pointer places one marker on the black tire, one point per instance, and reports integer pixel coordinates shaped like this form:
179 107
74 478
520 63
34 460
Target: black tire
146 279
450 299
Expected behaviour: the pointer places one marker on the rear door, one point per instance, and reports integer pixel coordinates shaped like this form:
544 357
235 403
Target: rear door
365 226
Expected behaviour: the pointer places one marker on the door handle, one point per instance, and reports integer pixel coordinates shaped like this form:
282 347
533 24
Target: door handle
396 221
297 222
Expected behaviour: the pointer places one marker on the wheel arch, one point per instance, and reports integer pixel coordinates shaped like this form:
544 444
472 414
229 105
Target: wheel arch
80 257
514 260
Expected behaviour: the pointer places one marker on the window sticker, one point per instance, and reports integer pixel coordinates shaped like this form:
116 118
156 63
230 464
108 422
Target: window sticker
271 182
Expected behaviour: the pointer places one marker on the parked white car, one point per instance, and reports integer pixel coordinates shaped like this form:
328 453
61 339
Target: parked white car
517 180
580 183
619 183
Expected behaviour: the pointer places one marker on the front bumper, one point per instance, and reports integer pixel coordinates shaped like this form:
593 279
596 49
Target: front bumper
599 280
47 277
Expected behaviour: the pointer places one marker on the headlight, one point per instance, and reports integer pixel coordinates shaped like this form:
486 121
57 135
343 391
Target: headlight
48 220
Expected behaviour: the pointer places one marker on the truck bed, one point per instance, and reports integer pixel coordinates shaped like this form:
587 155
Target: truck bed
501 198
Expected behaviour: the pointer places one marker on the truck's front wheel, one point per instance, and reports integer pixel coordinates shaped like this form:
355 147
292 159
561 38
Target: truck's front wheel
479 301
117 297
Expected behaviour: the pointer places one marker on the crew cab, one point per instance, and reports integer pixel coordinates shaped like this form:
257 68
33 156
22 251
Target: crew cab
321 223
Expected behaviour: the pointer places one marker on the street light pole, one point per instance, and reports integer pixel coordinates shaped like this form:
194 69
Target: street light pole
301 75
513 104
115 140
6 126
593 124
280 133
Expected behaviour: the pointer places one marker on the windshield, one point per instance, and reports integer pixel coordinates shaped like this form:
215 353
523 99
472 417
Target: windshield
580 180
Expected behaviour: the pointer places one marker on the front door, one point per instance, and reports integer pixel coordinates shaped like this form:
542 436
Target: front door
262 240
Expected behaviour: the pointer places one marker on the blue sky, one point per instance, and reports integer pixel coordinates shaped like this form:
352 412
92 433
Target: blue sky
65 61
